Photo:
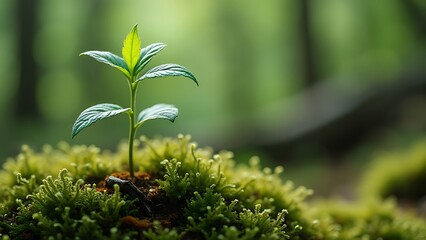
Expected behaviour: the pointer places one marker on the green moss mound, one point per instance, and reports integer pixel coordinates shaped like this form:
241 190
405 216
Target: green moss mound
193 192
400 173
370 219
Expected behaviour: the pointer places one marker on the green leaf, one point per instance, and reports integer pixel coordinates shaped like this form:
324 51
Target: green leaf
146 55
168 70
110 59
131 48
158 111
95 113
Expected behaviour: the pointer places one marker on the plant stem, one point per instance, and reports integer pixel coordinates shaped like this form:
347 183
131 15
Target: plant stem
132 131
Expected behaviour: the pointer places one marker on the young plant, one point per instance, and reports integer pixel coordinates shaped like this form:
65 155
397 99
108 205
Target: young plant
131 65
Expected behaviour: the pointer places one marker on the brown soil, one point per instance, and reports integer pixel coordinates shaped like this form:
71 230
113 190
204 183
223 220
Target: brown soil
162 210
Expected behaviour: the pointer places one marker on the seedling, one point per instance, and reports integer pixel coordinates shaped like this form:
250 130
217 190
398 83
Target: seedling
131 65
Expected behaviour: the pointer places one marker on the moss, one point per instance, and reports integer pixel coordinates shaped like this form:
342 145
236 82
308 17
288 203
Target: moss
372 219
192 193
399 174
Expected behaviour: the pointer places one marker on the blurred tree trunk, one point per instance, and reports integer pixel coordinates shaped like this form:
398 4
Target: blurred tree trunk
416 14
309 68
307 52
238 55
26 102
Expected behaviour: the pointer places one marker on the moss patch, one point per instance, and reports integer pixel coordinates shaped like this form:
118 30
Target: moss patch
191 193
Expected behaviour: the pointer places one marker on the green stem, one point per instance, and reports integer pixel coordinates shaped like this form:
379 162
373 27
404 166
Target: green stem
132 131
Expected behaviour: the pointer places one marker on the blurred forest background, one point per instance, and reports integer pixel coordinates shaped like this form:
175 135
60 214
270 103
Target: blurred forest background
318 86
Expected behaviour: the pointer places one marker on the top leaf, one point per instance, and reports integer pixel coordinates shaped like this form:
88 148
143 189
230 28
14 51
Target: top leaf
146 55
169 69
110 59
131 49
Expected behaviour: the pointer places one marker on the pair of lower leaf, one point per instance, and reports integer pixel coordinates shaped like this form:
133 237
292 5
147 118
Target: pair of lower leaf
107 110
